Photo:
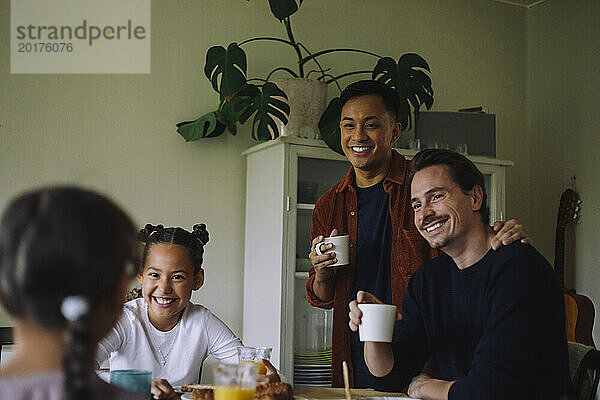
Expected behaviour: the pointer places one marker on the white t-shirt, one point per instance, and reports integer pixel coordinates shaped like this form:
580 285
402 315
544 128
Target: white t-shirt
134 343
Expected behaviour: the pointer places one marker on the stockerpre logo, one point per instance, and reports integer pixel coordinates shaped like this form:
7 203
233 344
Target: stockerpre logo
80 36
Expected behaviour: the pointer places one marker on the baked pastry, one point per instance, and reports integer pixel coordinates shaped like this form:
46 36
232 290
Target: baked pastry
269 391
203 394
198 391
274 391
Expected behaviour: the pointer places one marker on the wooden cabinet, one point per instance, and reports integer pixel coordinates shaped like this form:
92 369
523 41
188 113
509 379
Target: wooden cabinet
285 177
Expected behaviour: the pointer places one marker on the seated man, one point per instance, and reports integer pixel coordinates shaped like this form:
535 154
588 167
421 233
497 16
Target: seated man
493 320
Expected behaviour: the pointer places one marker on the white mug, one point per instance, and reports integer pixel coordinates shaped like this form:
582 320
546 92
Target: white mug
377 322
340 247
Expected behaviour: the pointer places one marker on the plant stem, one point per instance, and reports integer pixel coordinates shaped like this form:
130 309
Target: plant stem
267 38
288 29
315 60
292 73
332 80
320 53
335 78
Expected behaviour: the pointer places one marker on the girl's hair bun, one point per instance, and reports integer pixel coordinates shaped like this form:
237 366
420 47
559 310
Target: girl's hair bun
200 232
145 232
148 230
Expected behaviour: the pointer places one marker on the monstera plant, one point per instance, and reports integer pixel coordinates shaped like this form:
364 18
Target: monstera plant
240 97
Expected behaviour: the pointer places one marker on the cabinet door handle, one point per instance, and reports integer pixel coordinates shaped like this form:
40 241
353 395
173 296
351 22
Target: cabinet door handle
288 203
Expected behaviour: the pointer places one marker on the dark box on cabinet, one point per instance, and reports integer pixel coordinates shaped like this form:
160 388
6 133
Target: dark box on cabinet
476 130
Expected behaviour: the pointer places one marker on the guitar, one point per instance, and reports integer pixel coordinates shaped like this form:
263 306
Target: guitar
578 308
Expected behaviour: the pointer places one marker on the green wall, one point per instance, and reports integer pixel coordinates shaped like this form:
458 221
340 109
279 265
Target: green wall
116 132
563 56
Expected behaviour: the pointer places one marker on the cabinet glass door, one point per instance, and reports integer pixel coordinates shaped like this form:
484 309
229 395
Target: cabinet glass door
316 176
312 326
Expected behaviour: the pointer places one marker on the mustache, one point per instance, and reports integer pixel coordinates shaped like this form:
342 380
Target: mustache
432 220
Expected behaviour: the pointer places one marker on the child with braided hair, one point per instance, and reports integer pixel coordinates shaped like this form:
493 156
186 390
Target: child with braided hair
163 331
66 257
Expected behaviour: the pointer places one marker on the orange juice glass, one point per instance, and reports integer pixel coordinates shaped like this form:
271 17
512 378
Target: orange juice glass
235 381
248 354
233 393
262 370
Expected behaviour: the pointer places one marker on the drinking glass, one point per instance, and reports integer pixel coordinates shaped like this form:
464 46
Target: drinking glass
318 329
254 355
414 144
462 148
135 380
235 381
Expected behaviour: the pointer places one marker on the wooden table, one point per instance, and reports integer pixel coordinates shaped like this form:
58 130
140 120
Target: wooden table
319 393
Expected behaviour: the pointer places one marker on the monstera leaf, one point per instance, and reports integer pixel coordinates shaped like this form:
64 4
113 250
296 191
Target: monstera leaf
282 9
329 125
251 92
268 106
206 126
228 65
232 111
413 85
403 113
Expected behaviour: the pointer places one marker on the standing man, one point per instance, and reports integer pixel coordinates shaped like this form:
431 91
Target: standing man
493 320
371 204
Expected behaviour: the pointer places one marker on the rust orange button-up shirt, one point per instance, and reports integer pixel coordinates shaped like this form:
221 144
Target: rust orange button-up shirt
337 209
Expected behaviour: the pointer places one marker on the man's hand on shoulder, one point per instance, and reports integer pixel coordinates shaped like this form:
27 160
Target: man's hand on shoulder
509 232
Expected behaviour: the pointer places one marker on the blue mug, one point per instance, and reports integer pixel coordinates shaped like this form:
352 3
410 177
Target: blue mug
135 380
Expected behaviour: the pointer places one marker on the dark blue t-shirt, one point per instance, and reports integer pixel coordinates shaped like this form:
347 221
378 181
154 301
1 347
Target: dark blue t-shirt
373 258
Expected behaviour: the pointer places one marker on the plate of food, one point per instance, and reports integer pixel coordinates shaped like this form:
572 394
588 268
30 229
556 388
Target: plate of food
190 396
281 391
196 392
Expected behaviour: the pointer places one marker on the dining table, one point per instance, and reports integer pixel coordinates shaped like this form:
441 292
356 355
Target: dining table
326 393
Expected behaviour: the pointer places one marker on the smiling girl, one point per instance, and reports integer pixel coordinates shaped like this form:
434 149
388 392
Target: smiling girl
163 331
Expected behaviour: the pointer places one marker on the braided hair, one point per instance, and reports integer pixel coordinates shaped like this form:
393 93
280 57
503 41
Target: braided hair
63 252
194 241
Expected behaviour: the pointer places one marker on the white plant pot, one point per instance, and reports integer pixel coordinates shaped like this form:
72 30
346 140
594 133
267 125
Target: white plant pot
306 98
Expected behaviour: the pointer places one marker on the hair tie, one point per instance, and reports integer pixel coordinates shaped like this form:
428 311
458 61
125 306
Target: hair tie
195 236
74 307
155 229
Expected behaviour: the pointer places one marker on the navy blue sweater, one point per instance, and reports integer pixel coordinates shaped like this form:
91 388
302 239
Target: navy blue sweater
496 328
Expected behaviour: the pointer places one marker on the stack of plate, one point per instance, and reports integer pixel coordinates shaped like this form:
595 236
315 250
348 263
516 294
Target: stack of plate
312 368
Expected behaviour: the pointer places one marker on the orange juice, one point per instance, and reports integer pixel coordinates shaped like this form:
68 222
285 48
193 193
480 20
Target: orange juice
262 370
233 393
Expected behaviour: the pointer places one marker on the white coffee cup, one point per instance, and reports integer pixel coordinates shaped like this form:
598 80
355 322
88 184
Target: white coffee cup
377 322
340 247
